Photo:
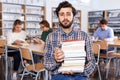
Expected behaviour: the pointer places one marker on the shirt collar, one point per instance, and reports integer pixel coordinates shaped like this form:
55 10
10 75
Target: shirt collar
63 33
105 28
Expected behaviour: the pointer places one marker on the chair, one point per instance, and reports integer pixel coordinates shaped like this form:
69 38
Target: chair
3 51
2 46
108 56
117 72
96 51
28 63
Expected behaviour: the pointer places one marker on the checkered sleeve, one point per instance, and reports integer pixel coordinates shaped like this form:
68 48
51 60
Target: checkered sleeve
90 59
49 61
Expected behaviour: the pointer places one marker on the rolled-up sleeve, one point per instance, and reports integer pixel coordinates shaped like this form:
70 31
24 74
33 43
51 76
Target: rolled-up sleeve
90 59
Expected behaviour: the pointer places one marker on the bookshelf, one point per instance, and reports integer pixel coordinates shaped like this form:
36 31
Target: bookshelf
29 11
77 19
33 15
35 2
114 21
8 14
13 1
93 20
55 21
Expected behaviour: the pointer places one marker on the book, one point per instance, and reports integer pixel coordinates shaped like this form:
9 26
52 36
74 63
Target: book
74 52
71 68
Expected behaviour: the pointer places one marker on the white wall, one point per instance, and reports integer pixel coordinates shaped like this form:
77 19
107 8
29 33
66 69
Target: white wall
83 7
104 4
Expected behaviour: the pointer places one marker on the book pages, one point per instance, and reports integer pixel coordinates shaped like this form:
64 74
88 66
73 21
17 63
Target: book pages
74 52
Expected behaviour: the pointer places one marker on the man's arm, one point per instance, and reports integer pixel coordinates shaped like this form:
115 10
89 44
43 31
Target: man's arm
90 63
111 35
49 60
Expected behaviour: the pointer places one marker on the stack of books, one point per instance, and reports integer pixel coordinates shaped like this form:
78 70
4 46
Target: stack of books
75 55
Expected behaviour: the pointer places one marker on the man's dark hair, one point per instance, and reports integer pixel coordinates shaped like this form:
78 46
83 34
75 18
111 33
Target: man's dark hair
103 21
65 4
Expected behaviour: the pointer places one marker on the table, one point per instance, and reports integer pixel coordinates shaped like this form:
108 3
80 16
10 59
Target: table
3 45
37 48
116 44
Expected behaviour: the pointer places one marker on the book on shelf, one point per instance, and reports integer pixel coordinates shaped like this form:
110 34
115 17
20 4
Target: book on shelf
74 52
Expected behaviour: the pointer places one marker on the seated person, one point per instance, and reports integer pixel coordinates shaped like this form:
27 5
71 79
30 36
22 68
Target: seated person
45 27
104 33
17 36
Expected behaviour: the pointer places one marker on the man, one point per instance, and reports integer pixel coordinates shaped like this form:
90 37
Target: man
54 56
104 33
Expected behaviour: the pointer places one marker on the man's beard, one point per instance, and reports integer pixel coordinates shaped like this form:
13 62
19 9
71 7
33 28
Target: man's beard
66 26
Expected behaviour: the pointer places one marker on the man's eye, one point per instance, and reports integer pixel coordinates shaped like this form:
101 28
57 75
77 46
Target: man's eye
68 14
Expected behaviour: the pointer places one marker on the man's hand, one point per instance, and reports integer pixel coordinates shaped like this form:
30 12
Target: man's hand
97 38
58 55
104 39
68 72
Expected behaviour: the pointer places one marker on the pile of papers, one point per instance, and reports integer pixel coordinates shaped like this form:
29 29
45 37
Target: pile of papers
75 54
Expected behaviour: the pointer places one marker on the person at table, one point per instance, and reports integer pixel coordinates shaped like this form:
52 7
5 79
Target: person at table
45 27
104 33
16 37
54 56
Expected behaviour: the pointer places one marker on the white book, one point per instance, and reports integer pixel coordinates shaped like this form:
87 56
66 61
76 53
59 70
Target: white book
74 61
75 58
74 42
75 54
74 48
72 68
69 64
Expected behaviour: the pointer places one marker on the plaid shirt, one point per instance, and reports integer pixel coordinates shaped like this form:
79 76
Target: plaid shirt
55 38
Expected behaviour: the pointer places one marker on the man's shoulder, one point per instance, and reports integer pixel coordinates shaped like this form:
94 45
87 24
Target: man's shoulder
80 31
54 32
109 28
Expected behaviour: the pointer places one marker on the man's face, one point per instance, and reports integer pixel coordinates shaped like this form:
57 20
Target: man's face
65 17
103 26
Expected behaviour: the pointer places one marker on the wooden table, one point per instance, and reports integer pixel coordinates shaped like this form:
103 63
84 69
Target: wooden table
3 45
116 44
37 48
105 45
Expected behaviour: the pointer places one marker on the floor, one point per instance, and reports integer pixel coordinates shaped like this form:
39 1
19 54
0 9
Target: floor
95 77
